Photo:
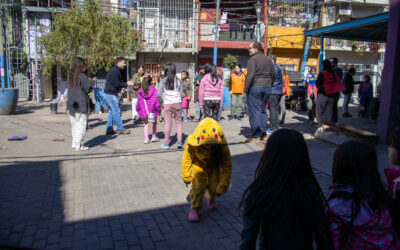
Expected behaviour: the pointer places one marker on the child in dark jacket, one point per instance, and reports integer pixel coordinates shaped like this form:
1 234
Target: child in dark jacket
360 211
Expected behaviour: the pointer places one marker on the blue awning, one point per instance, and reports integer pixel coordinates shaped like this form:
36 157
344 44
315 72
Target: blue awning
371 29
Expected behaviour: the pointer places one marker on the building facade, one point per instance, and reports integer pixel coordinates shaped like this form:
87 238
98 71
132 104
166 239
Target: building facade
366 57
169 34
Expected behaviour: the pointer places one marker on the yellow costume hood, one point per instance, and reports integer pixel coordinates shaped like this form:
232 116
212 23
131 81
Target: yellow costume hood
207 132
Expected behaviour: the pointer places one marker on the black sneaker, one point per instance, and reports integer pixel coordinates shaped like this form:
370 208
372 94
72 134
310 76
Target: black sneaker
110 132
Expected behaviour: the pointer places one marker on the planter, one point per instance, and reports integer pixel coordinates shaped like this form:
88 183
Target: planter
8 101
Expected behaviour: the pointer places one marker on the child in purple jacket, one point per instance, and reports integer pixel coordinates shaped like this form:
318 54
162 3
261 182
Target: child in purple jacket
148 108
360 211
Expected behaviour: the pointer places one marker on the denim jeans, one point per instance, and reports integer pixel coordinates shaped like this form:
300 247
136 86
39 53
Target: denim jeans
274 101
100 102
114 113
245 105
198 111
257 100
184 114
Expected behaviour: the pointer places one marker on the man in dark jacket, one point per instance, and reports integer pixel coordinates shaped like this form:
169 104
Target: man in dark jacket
349 84
260 76
275 98
114 84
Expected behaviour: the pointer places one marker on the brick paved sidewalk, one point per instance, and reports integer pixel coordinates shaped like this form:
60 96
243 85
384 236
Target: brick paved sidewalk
121 194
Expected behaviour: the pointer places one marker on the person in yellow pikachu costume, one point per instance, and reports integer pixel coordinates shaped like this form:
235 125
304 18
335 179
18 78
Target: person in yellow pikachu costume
207 164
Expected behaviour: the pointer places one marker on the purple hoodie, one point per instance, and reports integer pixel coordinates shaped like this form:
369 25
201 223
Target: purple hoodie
151 100
210 89
370 230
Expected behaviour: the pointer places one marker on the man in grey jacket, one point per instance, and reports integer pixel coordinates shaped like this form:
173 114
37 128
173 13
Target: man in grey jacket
260 76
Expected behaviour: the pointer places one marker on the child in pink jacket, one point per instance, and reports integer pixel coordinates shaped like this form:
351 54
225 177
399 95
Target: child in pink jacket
211 92
148 108
360 211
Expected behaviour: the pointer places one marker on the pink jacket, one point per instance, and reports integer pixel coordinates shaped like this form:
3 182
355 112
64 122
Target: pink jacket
153 106
210 89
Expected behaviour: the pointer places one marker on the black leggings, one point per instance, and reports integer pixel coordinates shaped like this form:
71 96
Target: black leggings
211 108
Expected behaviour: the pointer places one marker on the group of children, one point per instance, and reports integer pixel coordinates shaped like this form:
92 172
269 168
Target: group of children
172 96
285 200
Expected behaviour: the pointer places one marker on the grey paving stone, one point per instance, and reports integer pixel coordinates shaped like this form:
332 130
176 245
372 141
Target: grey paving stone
136 247
142 232
128 227
66 242
53 247
92 239
118 235
79 234
147 243
26 242
132 239
104 231
156 235
162 245
39 244
67 230
53 238
106 242
138 221
121 245
29 230
79 244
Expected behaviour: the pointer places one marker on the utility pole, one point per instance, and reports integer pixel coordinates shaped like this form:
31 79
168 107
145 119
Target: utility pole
308 39
2 72
37 81
216 33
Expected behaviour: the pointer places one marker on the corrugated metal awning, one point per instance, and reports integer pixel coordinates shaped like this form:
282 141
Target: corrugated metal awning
42 9
372 29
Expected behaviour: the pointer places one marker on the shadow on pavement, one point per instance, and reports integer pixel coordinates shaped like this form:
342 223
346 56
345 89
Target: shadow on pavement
52 205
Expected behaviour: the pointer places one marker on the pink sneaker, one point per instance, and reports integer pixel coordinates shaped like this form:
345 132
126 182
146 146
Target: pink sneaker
212 205
193 216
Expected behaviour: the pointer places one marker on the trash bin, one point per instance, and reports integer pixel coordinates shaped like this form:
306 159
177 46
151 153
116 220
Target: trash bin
53 107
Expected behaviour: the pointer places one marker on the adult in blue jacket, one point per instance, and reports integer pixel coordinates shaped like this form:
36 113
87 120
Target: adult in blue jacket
274 98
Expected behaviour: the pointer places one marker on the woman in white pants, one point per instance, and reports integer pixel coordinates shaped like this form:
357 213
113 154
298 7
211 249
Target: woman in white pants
78 88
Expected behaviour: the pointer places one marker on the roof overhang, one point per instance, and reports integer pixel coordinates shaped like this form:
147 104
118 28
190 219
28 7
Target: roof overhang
371 29
42 9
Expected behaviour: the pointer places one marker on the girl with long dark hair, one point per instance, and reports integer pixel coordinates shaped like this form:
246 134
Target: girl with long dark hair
207 164
360 211
211 92
171 87
77 103
284 203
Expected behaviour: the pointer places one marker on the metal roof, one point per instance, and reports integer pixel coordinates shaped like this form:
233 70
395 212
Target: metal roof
372 29
42 9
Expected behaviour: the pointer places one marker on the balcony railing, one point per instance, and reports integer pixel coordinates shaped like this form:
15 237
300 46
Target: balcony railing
228 32
354 45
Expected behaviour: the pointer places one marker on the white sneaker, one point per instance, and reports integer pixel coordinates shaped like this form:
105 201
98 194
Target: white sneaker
155 139
146 141
82 148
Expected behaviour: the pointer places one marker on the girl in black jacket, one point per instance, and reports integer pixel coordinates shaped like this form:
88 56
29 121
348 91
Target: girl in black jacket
284 204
